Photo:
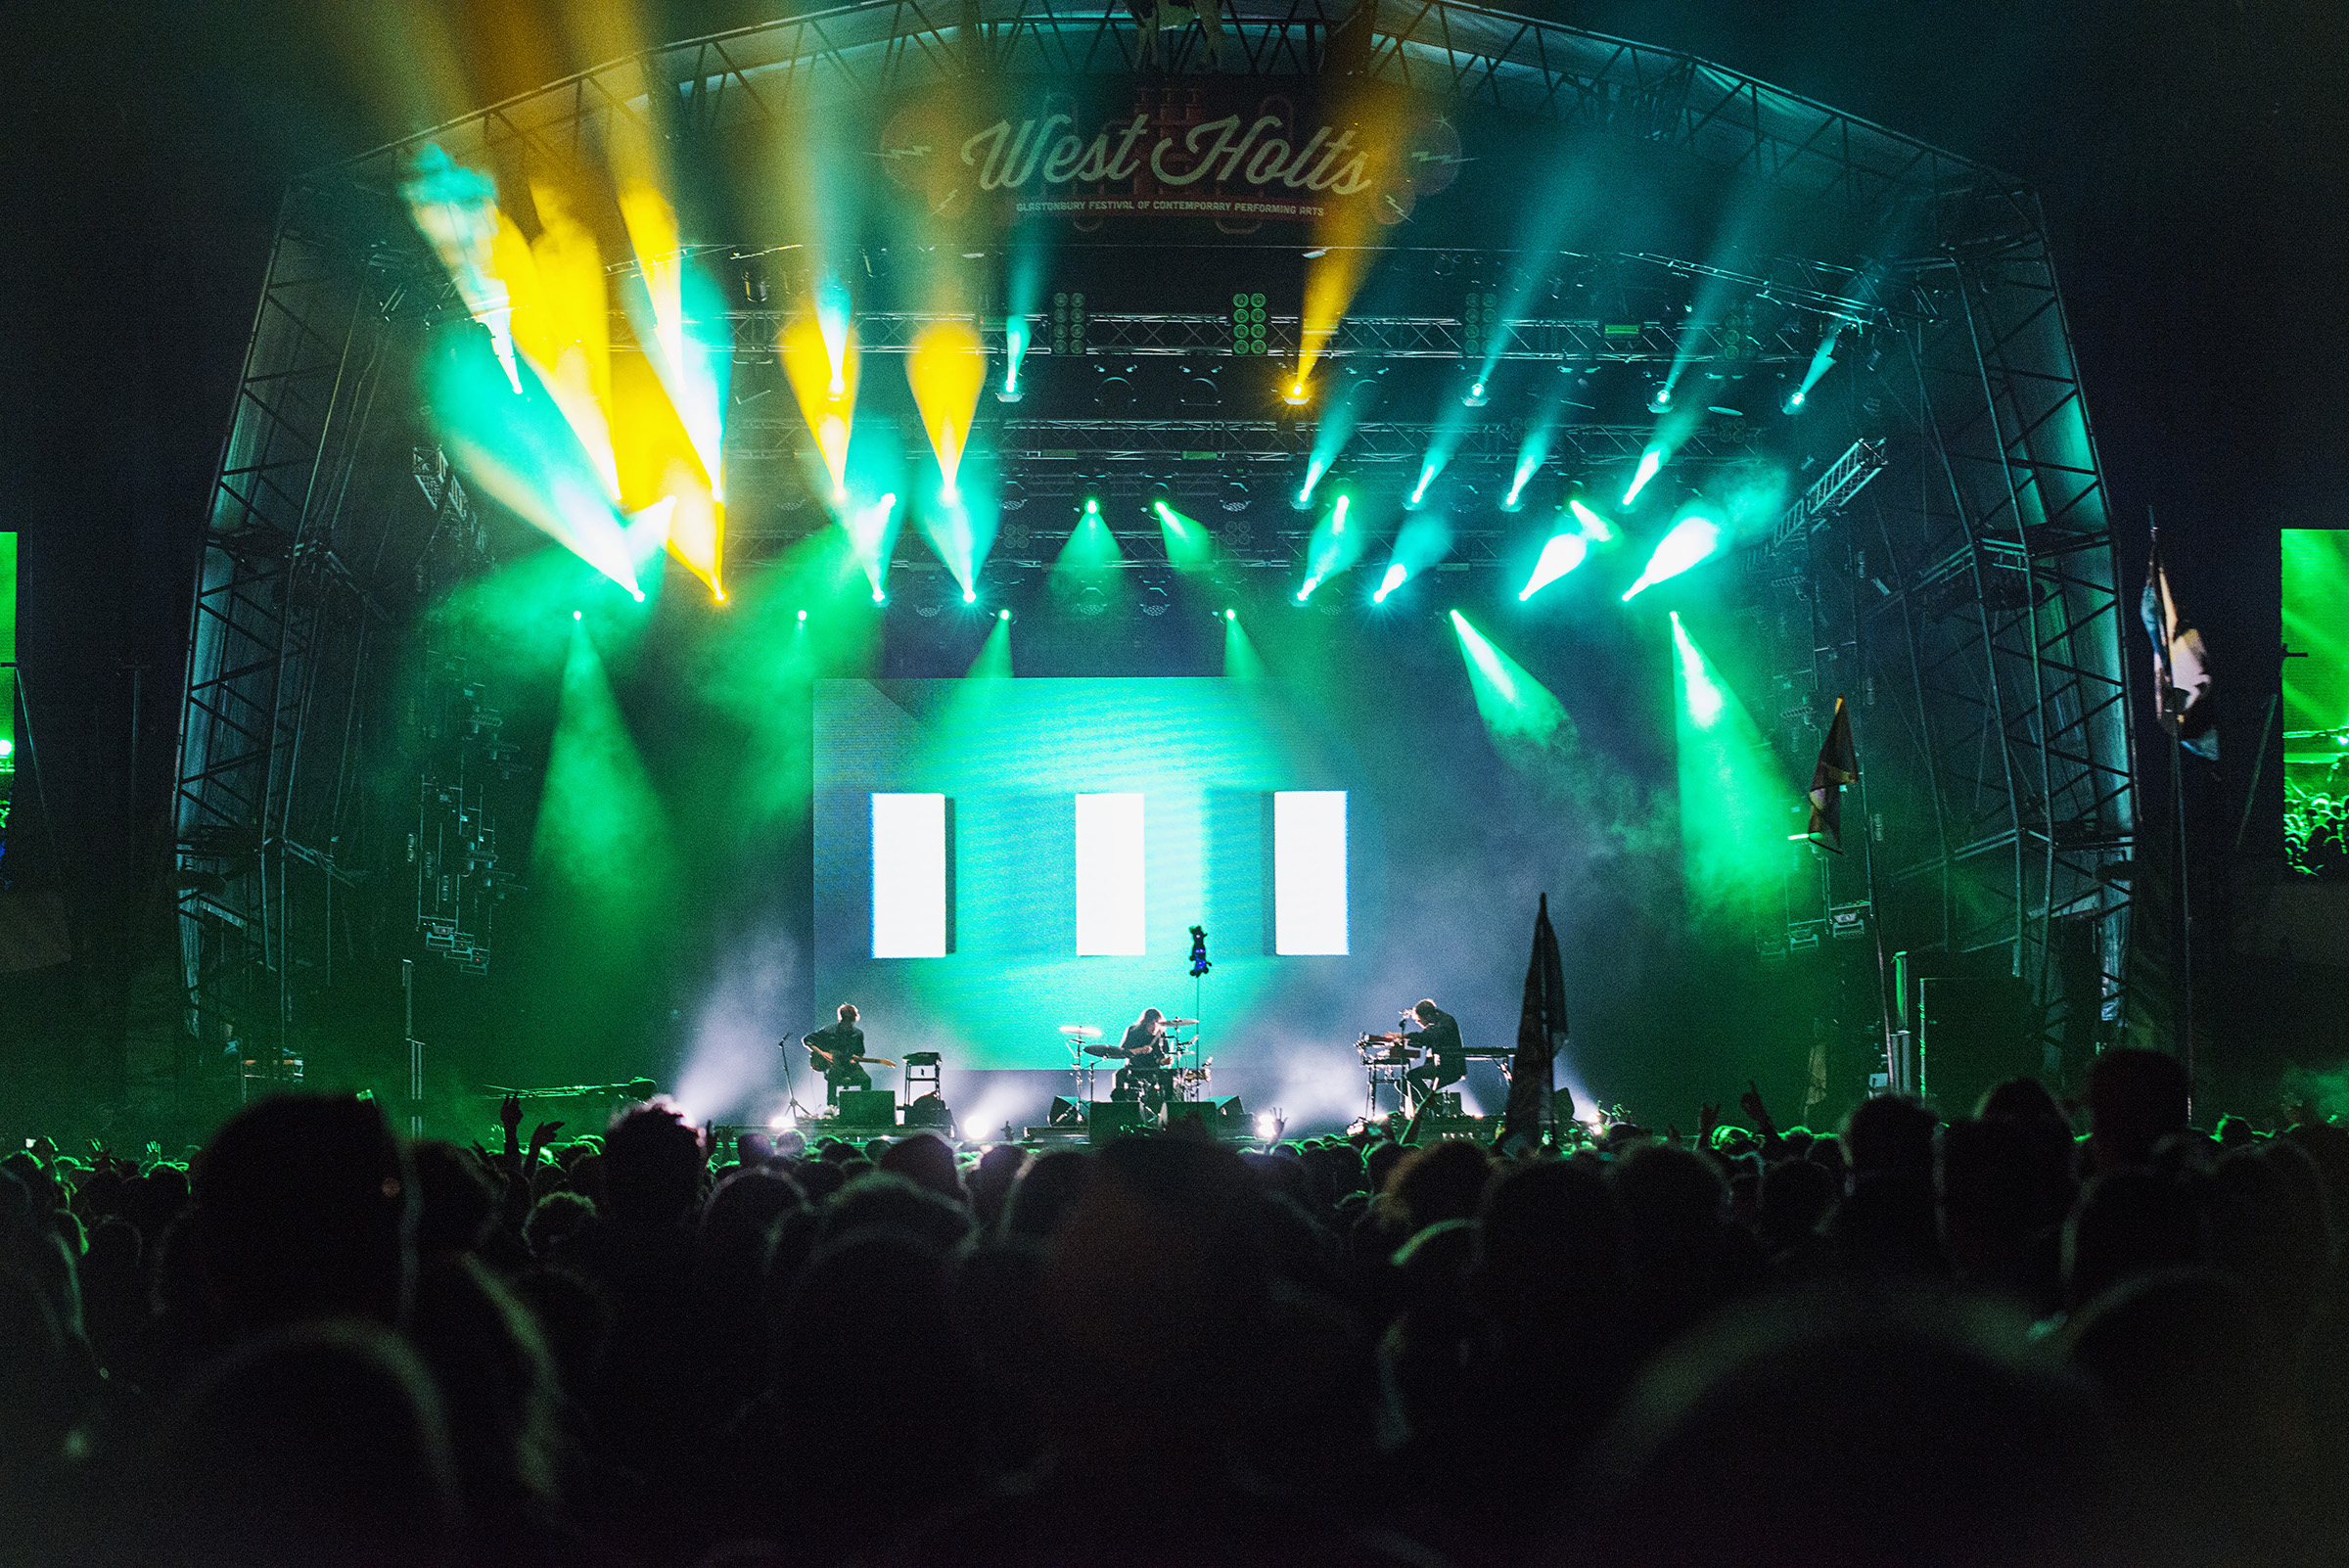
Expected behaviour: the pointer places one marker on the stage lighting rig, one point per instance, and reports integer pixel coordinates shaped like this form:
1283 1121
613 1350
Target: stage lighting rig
1248 324
1068 324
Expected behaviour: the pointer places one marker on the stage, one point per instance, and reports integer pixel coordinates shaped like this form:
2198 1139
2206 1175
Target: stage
934 544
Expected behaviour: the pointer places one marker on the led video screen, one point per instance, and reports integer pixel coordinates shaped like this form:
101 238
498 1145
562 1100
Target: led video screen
997 858
2315 701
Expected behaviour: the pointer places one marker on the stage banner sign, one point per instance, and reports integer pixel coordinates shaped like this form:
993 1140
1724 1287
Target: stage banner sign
1226 150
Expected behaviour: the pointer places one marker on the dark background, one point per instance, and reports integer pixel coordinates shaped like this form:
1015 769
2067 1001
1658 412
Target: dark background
2193 160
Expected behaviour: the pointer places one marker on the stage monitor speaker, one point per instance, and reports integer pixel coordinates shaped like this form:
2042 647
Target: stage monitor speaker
1220 1115
1066 1113
1446 1104
1974 1032
867 1108
930 1111
1106 1120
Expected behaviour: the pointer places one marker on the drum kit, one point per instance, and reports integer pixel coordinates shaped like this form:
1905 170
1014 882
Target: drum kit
1182 1080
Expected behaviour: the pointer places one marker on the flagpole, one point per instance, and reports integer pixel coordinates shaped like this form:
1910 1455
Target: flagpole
1895 1077
2185 918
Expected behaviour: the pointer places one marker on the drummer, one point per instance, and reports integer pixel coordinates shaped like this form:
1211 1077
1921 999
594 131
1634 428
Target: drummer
1148 1057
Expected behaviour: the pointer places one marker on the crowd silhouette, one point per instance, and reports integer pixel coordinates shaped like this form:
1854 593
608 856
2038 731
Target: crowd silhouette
2041 1334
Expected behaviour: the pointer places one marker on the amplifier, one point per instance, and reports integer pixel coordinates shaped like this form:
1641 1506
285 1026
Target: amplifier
928 1111
867 1108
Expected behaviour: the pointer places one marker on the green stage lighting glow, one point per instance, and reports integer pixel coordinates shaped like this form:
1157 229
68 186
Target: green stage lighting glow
1240 659
993 662
1693 542
1514 706
1390 582
1700 694
1188 545
803 618
968 597
1822 360
1651 462
1735 796
1597 530
602 834
1090 546
1561 555
1015 345
1427 477
1527 466
1092 506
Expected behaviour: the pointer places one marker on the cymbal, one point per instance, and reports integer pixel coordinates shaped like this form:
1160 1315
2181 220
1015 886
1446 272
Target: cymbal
1080 1030
1105 1050
1177 1023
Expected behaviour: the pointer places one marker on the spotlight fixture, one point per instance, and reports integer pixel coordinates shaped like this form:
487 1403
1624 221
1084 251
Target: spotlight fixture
1003 614
803 618
1474 397
1660 400
969 597
575 615
880 597
1294 394
1794 401
1231 615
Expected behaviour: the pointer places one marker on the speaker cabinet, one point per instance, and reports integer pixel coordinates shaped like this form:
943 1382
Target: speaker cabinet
867 1108
1106 1120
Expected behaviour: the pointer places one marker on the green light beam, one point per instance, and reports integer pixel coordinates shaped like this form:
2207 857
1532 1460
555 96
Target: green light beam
1561 555
602 833
1189 547
994 655
1693 542
1241 660
1734 795
1513 705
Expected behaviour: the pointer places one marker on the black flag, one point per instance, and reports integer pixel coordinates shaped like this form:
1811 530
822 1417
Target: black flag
1837 768
1541 1032
2181 694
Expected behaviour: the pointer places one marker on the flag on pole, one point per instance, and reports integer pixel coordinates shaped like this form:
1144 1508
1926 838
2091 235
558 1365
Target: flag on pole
1540 1033
2182 695
1838 766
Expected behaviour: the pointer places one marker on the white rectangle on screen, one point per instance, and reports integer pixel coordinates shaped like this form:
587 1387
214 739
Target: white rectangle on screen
909 876
1109 875
1309 871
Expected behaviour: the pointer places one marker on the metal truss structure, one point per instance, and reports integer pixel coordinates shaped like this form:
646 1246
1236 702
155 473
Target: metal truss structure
1139 334
1372 444
1975 573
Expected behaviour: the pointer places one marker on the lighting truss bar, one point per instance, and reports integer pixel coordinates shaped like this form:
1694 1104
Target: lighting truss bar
1832 492
1268 440
1143 335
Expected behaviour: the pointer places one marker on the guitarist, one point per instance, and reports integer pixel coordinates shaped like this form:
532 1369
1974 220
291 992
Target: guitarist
837 1050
